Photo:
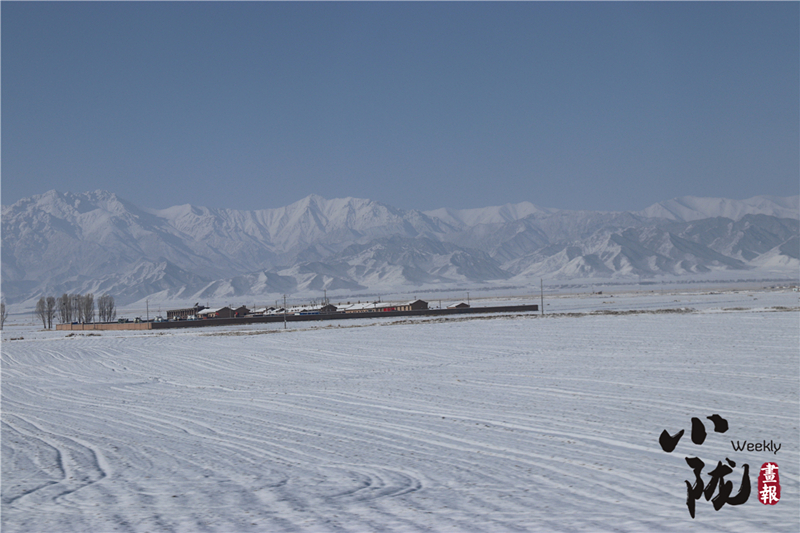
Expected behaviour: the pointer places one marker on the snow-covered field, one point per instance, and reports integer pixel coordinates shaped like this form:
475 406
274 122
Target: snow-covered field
512 423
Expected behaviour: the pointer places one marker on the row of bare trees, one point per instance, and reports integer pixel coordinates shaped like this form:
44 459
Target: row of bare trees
75 308
46 310
106 308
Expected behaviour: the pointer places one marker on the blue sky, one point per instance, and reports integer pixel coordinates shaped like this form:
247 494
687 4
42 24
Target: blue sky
606 106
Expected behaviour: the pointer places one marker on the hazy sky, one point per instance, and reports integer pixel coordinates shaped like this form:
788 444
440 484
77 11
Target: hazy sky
607 106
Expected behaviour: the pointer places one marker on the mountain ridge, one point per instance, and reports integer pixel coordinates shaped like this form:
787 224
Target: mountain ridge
97 241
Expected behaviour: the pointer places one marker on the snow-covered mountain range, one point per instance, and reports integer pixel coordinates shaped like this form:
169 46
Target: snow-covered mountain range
97 242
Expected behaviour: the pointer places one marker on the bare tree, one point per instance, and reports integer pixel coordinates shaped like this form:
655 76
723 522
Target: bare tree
50 311
41 311
3 314
65 308
106 310
87 302
101 309
76 301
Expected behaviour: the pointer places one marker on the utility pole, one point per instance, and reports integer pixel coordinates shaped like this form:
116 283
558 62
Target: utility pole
541 293
284 311
325 302
467 297
147 303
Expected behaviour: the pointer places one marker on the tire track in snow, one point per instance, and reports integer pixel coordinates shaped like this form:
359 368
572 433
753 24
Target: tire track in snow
80 463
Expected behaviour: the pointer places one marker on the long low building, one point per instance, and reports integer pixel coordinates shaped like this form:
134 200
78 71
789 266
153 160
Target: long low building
183 314
413 305
384 307
300 317
223 312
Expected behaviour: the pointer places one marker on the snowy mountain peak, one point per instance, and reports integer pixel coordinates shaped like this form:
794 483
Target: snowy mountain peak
688 208
487 215
70 205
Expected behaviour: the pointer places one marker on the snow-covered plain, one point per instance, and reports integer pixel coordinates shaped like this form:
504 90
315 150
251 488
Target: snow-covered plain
511 423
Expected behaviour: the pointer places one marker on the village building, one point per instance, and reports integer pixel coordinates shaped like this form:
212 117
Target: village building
217 312
460 305
261 311
223 312
414 305
312 309
367 307
381 307
183 314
